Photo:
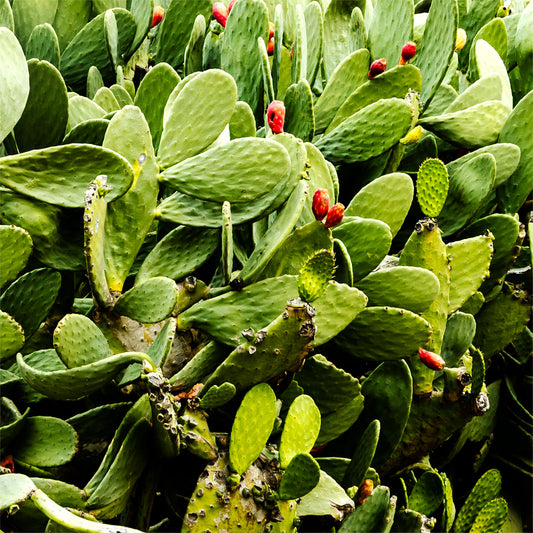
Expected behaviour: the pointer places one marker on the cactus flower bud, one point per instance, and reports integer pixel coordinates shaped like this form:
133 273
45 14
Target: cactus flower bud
431 360
460 39
276 116
335 215
377 67
220 13
408 52
230 6
413 136
271 30
320 204
159 12
270 46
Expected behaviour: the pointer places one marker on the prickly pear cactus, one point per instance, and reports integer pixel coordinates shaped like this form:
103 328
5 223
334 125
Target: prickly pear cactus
210 248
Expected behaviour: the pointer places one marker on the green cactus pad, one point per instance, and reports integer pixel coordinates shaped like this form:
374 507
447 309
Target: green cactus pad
151 301
74 383
44 119
412 288
432 186
126 468
300 431
14 489
367 241
513 193
478 372
91 131
78 341
94 82
299 46
484 61
218 395
192 60
470 128
297 248
11 336
229 172
384 334
152 95
315 39
121 95
190 211
385 123
39 432
60 174
459 334
16 244
315 275
427 494
362 456
12 421
491 518
469 260
484 90
326 499
44 223
86 49
486 489
437 47
179 253
388 392
183 134
470 184
300 477
29 299
522 47
175 30
347 77
94 239
279 347
506 232
398 19
387 198
239 54
276 234
393 83
196 434
106 100
474 303
372 514
14 81
300 117
344 269
500 321
129 218
250 432
242 121
81 109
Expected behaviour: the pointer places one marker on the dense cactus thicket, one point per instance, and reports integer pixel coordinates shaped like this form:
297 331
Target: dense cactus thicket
265 265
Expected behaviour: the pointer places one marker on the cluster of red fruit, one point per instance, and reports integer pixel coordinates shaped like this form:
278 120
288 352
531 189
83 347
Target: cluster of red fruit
379 65
221 14
321 209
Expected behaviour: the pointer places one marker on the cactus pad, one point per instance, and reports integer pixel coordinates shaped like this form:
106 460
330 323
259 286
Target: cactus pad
249 433
300 477
218 395
11 336
432 186
301 429
427 494
315 274
16 246
491 518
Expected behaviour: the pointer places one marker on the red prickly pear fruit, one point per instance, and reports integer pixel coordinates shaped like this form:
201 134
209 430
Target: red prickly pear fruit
431 360
220 13
408 52
377 67
365 490
276 116
230 6
335 215
270 46
320 204
159 13
271 30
